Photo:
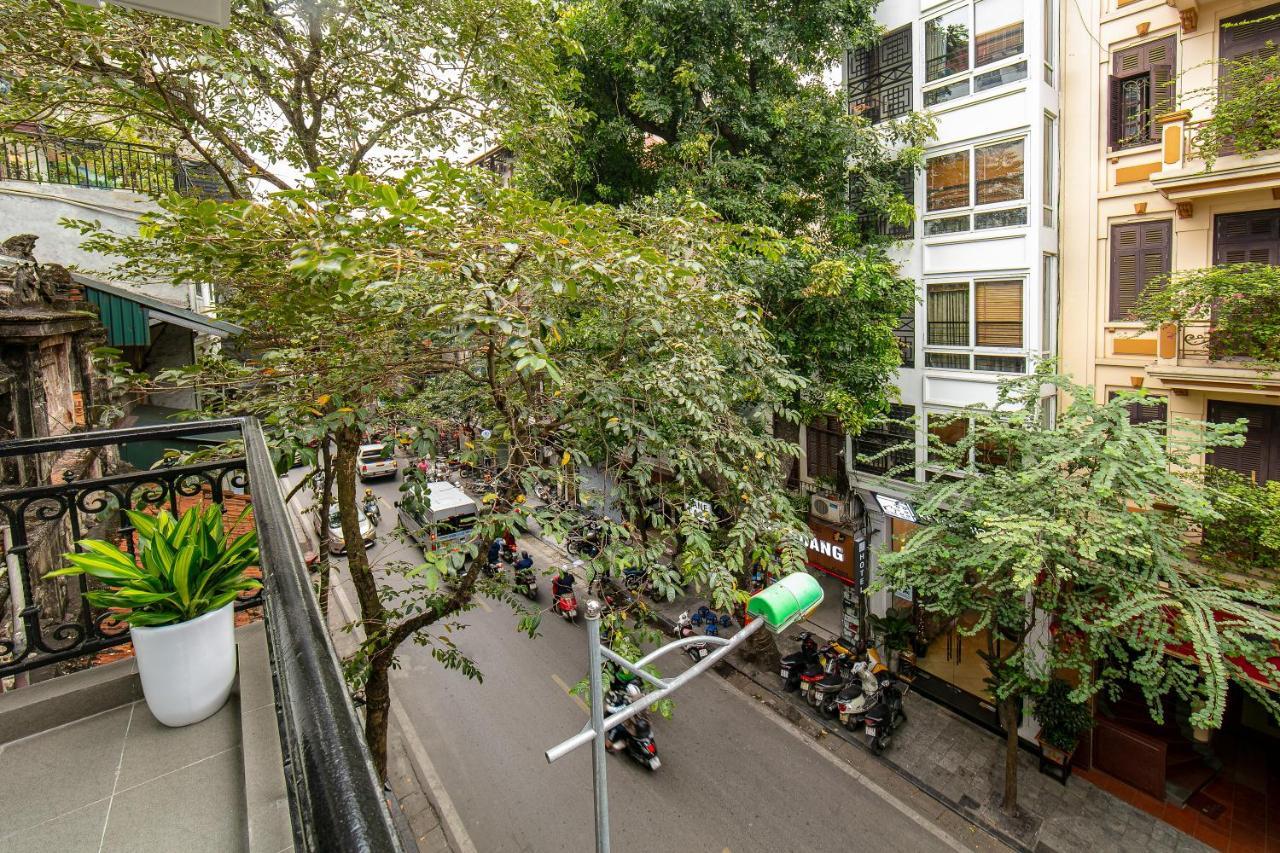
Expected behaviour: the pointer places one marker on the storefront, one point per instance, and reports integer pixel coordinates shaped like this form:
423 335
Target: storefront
949 668
838 557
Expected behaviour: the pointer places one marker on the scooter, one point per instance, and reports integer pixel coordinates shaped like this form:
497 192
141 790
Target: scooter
860 693
567 606
526 581
373 510
825 694
884 717
684 627
828 680
637 734
794 664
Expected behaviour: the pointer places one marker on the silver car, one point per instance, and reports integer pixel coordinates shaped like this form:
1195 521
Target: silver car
336 543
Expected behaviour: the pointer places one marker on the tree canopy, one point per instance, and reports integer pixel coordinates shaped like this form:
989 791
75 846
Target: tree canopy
1081 526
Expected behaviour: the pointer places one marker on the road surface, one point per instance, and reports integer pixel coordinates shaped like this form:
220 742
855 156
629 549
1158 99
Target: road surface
733 777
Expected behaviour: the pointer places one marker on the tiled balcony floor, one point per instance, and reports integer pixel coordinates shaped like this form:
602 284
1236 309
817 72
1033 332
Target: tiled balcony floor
120 781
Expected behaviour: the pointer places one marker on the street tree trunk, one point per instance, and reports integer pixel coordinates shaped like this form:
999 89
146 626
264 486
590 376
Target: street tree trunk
1009 719
373 616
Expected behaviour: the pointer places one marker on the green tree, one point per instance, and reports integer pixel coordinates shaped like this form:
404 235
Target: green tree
289 87
1082 525
578 335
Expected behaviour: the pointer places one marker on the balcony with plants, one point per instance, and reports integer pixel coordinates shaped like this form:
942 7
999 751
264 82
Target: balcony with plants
166 680
1225 136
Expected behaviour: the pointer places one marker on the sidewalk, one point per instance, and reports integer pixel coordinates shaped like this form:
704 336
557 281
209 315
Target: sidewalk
961 765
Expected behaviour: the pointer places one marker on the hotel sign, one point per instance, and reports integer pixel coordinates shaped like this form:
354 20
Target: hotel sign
832 550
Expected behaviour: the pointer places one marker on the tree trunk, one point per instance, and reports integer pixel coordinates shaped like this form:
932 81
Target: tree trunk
762 650
373 617
326 500
1009 719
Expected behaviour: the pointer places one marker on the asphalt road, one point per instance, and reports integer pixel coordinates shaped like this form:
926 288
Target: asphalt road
733 777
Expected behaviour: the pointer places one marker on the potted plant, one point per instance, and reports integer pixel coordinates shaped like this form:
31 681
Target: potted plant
1062 722
895 629
178 598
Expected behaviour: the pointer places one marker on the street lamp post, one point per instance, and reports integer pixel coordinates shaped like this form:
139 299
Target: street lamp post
778 606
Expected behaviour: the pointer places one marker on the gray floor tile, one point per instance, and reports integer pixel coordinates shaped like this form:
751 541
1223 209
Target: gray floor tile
198 809
61 770
154 749
79 831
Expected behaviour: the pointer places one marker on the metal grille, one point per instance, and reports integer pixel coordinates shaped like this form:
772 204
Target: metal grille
879 78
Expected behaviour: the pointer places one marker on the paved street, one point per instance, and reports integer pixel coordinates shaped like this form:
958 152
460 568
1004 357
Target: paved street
733 776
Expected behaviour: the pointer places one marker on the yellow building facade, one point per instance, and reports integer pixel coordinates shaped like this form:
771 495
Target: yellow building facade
1137 205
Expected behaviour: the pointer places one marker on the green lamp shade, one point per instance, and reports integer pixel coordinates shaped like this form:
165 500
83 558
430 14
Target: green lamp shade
787 601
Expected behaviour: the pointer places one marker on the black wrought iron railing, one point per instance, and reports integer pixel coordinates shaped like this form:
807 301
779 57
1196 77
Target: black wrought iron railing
336 800
144 169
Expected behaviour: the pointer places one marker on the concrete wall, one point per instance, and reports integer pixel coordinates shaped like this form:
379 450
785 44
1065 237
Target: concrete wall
32 208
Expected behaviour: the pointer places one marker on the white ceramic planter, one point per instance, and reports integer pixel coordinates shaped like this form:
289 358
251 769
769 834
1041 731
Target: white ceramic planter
187 669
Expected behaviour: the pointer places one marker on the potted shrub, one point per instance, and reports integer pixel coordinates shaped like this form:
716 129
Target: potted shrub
1062 722
895 630
178 599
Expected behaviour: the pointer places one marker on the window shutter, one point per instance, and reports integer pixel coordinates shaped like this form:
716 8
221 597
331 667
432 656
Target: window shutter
1115 113
998 306
1247 34
1252 237
1146 413
1140 255
1259 458
1163 97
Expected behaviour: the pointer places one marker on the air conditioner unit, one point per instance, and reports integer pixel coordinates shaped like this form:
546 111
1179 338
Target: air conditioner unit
828 509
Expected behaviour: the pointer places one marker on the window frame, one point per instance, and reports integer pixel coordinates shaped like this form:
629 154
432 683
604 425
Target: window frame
972 71
1114 314
879 75
971 210
972 350
1118 77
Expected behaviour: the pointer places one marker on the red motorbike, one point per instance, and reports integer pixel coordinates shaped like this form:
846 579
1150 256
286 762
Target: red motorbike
567 606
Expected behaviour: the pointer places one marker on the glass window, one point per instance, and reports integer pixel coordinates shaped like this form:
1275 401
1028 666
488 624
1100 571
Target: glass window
946 225
998 24
947 181
1007 74
1000 363
948 314
946 44
1048 189
997 308
1000 218
1049 306
947 360
1049 27
999 171
942 94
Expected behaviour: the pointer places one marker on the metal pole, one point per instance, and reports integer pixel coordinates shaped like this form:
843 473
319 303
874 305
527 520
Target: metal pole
600 783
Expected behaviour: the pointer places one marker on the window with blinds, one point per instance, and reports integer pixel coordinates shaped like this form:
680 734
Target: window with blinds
1146 413
1247 238
947 181
947 314
1142 86
1141 255
997 308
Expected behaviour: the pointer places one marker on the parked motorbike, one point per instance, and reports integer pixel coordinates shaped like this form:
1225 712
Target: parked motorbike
684 627
825 694
862 690
884 717
794 664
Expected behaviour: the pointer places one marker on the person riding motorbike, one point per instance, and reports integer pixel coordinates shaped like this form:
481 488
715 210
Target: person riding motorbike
370 506
562 584
524 564
622 692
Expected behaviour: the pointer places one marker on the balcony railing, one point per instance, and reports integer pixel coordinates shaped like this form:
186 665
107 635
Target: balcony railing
143 169
336 802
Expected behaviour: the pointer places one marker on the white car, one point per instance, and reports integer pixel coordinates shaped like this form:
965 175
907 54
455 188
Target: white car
374 461
336 543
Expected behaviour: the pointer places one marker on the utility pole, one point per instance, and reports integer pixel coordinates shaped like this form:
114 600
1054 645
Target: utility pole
778 607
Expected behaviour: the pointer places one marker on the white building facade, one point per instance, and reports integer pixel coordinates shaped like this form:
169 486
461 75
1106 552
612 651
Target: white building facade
983 253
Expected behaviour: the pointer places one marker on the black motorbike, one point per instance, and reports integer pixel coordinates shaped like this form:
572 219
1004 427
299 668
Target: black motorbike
885 715
636 732
526 580
373 511
824 695
795 664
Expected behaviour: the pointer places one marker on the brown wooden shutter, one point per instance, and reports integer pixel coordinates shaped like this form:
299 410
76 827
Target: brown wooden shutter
1115 113
824 448
1146 413
1160 59
998 312
1141 253
1252 237
1248 34
1259 458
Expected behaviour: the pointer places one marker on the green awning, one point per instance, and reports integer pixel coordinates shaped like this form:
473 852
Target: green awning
126 321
